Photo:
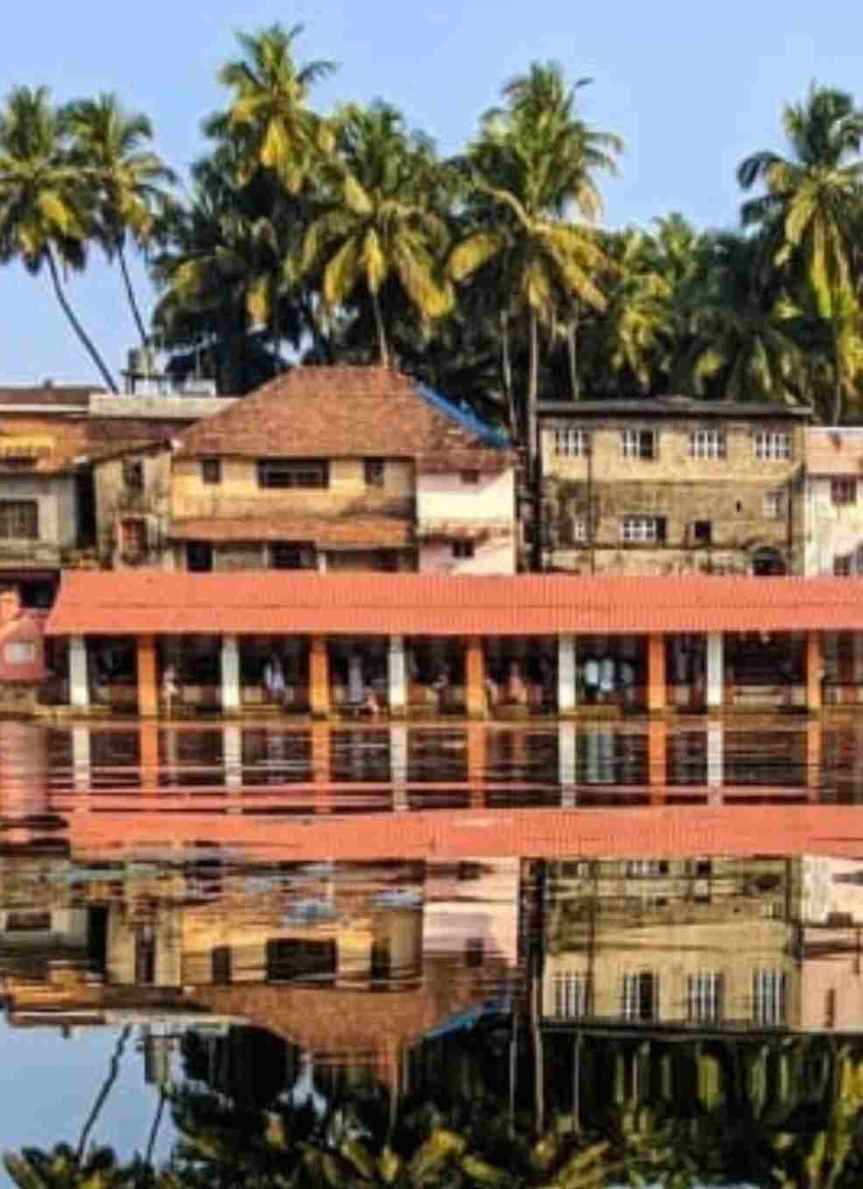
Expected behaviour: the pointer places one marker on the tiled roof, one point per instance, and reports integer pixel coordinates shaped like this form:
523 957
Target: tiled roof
353 531
267 602
73 396
49 444
672 406
834 451
341 412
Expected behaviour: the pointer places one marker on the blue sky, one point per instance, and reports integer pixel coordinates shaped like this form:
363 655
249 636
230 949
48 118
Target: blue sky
692 87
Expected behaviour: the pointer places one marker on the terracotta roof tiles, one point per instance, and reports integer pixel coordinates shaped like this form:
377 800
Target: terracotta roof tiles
353 531
341 412
272 602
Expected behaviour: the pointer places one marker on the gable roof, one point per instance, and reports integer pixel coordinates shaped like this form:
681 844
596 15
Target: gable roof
379 604
346 412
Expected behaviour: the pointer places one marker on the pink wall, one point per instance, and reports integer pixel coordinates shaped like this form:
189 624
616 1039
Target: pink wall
446 502
21 632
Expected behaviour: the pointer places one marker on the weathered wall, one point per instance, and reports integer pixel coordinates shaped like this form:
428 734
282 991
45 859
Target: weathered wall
58 518
114 502
831 530
446 501
731 493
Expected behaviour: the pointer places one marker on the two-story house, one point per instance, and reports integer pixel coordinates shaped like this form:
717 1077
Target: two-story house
672 485
331 468
833 528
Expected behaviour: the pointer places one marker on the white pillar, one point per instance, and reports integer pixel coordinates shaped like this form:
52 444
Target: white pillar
715 670
399 766
232 755
398 677
566 691
230 674
81 758
566 763
715 755
322 562
79 681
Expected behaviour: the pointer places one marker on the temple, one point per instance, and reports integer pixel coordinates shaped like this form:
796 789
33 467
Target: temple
422 645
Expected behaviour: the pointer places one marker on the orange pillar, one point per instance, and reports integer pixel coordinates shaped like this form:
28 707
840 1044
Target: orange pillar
814 671
814 754
148 683
319 677
657 692
845 667
148 734
474 678
657 760
321 767
477 759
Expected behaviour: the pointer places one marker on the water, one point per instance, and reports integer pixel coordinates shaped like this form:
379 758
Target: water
459 955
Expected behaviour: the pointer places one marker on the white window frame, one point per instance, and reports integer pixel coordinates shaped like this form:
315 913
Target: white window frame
571 997
579 530
638 529
630 1000
707 444
704 993
774 505
772 446
769 998
630 444
572 442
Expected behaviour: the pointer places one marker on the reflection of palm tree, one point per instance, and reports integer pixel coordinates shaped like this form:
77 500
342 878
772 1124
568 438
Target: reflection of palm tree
102 1096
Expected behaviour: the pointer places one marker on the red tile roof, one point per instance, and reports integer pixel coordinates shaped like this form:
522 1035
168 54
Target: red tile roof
72 396
355 532
834 451
267 602
341 412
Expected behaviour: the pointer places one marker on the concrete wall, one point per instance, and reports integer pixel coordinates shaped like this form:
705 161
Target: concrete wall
58 516
114 503
445 500
831 530
238 494
730 493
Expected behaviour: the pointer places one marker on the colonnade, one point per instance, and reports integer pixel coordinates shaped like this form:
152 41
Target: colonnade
567 691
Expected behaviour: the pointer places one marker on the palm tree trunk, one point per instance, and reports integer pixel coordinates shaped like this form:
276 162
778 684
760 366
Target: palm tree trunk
130 294
154 1131
383 349
87 342
572 353
113 1070
837 377
506 370
532 434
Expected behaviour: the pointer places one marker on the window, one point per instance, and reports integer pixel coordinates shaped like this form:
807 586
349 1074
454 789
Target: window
20 653
221 965
704 993
133 474
211 470
843 491
702 532
772 446
199 557
572 443
579 529
289 472
19 520
642 529
469 478
474 952
843 566
707 443
640 443
774 505
297 960
133 538
373 472
570 995
25 921
463 549
768 997
292 555
646 867
640 1000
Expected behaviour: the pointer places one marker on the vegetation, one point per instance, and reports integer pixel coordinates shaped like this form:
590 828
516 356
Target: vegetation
344 236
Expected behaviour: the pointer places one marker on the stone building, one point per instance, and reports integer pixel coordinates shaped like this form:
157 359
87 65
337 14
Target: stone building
833 522
672 486
342 468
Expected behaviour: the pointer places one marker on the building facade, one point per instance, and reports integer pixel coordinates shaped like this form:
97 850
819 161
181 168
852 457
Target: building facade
833 523
324 469
672 486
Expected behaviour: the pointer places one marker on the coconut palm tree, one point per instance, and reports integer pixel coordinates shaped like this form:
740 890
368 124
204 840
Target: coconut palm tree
268 114
46 216
379 225
810 210
128 181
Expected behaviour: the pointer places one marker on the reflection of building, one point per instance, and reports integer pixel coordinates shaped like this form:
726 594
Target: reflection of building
673 485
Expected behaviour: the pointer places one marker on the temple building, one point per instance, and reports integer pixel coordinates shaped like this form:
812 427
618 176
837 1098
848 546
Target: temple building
323 468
